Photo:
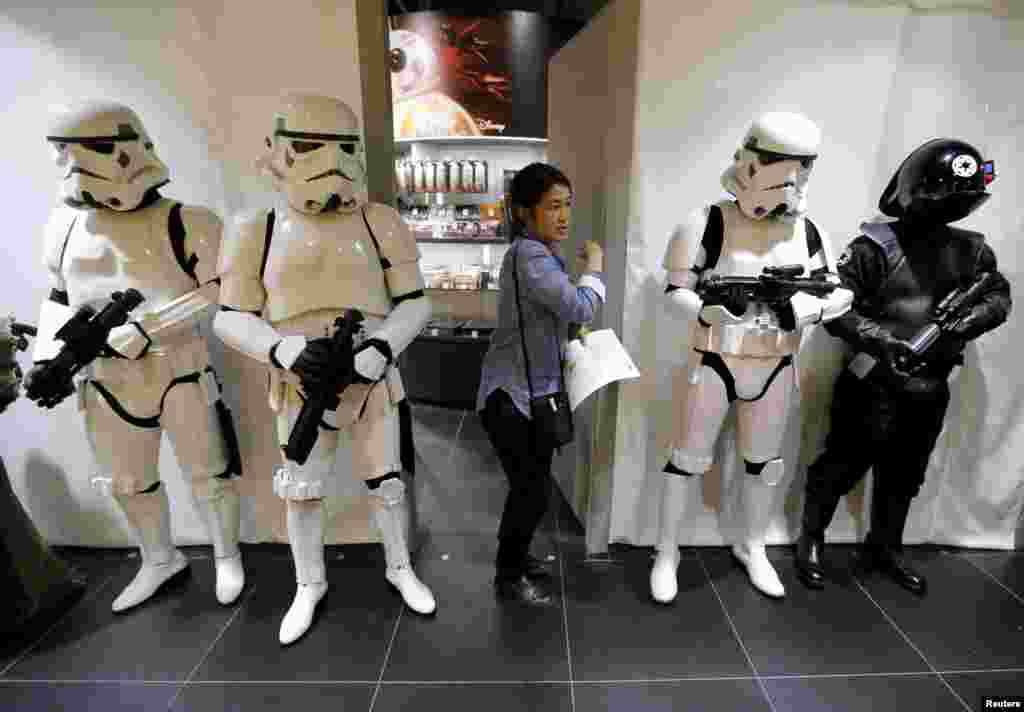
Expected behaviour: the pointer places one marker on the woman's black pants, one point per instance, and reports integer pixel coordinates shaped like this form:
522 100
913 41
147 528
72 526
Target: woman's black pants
529 474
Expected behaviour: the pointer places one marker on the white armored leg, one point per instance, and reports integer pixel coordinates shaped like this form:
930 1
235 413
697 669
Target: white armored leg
759 506
221 515
150 519
673 505
392 516
306 536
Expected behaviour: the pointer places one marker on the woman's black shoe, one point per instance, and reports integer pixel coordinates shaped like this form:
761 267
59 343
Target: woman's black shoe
522 590
808 562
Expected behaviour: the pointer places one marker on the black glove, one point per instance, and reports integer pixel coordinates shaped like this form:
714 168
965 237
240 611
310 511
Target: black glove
784 311
736 301
50 400
313 365
898 356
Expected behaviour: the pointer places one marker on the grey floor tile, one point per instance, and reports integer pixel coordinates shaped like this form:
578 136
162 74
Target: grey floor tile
347 641
675 696
473 636
858 694
967 621
89 697
260 697
160 640
1006 566
493 698
617 632
973 688
783 636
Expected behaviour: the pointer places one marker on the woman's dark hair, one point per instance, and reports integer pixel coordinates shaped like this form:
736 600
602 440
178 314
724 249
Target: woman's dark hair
529 185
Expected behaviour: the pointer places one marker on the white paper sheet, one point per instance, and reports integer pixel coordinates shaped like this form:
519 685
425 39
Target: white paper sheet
594 363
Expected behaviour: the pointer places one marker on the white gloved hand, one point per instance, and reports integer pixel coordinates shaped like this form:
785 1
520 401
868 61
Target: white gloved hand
807 309
129 340
370 363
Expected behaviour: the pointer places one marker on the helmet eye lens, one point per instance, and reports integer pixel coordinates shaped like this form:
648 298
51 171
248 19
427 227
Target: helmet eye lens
104 147
305 146
349 148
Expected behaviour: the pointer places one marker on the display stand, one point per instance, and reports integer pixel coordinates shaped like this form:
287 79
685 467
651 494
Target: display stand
38 586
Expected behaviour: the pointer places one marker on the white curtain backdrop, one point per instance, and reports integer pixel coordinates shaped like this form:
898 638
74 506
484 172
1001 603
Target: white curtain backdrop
204 77
879 80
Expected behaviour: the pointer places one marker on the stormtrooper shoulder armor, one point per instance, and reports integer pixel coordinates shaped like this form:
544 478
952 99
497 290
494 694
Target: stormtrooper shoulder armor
242 256
203 229
398 250
696 243
55 237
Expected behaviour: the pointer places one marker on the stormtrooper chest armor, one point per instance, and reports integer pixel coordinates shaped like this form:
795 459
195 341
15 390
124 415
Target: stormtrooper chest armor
318 263
108 251
748 246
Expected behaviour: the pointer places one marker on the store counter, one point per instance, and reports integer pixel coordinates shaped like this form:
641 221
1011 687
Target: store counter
442 365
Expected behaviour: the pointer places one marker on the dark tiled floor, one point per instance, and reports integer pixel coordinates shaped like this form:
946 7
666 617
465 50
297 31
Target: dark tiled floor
861 644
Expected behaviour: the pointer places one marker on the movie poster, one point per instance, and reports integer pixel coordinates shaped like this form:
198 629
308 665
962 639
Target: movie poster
465 76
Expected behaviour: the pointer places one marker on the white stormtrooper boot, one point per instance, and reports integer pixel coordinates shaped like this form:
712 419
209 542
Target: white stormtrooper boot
759 506
220 514
150 518
306 536
664 585
392 516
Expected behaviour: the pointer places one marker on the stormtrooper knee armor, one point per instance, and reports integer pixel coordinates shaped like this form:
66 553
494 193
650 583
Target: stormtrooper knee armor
287 275
115 232
745 358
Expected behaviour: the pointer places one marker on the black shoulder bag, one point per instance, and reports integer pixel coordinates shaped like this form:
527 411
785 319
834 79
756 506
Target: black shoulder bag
550 415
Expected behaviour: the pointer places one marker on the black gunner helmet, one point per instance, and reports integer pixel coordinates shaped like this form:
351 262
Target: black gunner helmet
942 181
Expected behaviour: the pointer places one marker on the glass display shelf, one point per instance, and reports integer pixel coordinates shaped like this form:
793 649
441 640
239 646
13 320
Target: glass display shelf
457 240
437 198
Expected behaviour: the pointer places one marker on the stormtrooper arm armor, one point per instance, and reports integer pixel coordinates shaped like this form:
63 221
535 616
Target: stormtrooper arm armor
684 261
412 308
202 245
808 309
239 323
54 312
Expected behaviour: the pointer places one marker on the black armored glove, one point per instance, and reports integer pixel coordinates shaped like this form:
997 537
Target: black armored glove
32 380
897 356
786 315
313 365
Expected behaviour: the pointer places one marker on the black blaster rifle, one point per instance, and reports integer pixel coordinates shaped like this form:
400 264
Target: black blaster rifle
773 287
946 317
343 371
85 338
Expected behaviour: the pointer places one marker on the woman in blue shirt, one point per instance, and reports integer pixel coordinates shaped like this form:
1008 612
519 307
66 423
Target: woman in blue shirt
541 202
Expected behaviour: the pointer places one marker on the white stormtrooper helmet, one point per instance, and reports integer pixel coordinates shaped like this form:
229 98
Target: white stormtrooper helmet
315 155
106 155
770 173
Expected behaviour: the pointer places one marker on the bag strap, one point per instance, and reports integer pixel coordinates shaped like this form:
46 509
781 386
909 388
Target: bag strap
522 331
519 306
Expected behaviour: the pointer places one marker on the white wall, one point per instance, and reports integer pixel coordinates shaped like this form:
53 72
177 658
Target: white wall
879 81
204 77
